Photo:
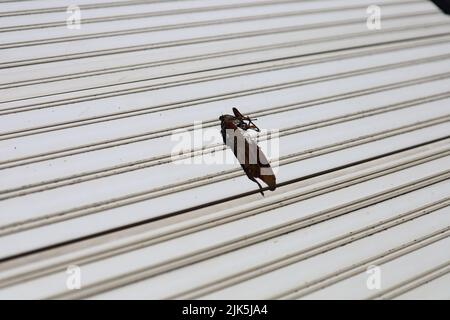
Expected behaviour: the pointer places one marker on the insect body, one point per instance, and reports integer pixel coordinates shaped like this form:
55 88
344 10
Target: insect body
248 153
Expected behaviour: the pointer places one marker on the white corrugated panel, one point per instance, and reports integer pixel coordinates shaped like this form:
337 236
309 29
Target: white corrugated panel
88 178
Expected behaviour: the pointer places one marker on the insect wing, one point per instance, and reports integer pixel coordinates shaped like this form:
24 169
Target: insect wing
250 156
237 113
245 126
265 172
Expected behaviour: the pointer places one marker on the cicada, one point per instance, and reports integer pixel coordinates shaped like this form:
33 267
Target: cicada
249 154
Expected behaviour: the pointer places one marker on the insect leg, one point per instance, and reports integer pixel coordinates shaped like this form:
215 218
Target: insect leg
259 185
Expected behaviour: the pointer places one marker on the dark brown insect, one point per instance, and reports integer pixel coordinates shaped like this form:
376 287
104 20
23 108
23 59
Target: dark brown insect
248 153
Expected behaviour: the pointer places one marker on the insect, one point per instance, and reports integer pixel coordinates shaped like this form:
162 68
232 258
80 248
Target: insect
252 159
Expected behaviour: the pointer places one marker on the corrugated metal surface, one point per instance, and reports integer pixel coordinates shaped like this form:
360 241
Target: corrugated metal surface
87 177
